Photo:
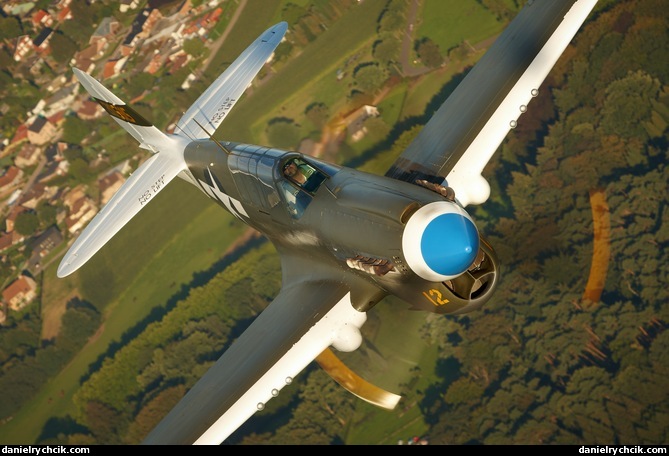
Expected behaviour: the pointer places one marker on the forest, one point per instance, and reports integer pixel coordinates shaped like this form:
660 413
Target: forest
573 348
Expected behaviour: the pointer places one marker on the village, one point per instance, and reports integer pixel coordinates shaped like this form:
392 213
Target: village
35 156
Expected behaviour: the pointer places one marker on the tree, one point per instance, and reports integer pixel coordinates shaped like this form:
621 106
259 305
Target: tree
292 13
75 129
318 114
46 214
283 132
391 20
139 83
464 391
79 322
195 47
376 127
628 105
62 47
154 411
104 422
79 170
386 49
10 28
428 52
370 77
27 223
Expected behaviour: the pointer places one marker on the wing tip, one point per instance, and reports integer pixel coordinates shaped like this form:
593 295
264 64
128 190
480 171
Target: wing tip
67 265
277 30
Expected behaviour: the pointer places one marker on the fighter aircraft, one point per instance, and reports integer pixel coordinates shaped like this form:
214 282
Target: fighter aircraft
346 238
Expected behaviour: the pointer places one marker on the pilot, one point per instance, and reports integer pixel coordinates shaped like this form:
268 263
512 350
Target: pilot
297 173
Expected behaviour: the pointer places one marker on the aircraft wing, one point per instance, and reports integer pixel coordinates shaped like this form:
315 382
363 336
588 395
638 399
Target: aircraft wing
215 103
467 129
303 320
149 179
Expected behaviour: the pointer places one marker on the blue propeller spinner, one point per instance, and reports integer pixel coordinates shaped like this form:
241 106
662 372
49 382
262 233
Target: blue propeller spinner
440 241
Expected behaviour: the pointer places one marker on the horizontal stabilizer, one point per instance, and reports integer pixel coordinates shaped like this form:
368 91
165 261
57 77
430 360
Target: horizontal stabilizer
216 102
148 136
134 194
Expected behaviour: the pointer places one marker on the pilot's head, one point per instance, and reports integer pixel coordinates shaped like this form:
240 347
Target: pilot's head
290 168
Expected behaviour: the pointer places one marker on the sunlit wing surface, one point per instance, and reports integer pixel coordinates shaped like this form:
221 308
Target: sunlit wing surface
465 132
137 191
216 102
301 322
148 136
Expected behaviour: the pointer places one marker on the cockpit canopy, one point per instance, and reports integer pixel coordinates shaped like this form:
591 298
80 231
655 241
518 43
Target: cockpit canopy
269 175
300 181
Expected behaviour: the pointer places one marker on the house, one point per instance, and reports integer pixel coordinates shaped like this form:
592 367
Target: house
89 110
45 242
6 241
21 134
178 60
356 121
11 217
15 238
109 184
144 22
186 8
113 67
54 169
85 59
58 118
81 213
61 100
42 245
37 193
200 26
56 165
105 32
20 292
41 131
126 5
27 156
81 209
41 42
155 64
10 179
17 8
56 83
23 46
64 14
42 18
64 11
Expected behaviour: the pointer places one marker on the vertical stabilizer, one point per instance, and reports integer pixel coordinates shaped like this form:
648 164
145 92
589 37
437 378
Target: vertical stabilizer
148 136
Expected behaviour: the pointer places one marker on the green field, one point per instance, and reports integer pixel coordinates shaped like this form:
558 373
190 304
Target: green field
450 22
313 71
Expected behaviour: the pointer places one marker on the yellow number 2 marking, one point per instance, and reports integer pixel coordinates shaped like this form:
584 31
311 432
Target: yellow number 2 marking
438 300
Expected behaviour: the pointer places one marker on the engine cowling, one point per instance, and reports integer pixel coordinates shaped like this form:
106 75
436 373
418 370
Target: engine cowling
440 241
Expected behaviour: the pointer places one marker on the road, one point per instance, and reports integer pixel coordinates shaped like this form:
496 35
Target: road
219 42
408 70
